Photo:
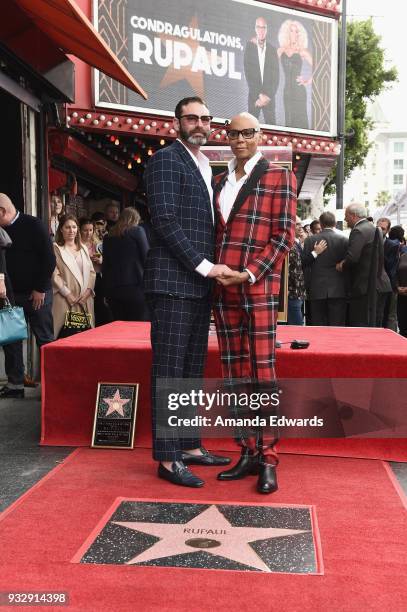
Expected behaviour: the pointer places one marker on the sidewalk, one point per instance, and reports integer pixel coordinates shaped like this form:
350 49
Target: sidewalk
22 461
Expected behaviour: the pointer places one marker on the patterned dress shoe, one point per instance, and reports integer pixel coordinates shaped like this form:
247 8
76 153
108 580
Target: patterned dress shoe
180 475
247 464
8 392
205 459
267 482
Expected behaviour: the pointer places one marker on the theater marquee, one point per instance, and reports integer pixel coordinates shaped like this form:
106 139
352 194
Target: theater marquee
239 55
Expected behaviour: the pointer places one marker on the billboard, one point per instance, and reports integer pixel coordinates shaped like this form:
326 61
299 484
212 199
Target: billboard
238 55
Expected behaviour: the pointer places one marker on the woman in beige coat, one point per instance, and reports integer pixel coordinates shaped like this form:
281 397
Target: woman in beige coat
74 276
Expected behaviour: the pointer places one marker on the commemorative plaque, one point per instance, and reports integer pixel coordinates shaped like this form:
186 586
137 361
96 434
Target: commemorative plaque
115 415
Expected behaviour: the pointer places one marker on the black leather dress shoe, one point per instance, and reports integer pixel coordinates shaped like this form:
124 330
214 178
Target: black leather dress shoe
267 482
8 392
247 464
180 475
205 459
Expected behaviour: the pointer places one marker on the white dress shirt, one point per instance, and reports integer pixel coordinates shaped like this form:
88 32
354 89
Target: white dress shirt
262 58
204 167
202 163
232 187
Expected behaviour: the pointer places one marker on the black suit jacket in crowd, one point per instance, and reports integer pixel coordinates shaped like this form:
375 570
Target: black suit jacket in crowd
252 73
364 260
123 264
324 280
183 232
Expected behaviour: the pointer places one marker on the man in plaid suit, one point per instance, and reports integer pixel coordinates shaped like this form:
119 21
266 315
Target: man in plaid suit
177 279
255 203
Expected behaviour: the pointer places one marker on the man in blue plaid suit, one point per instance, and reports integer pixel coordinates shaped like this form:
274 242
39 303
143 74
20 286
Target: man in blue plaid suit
178 277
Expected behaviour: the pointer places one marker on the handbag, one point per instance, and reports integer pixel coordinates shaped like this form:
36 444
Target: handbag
75 322
13 326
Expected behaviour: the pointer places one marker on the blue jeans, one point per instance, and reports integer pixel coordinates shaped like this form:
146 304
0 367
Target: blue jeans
42 326
295 315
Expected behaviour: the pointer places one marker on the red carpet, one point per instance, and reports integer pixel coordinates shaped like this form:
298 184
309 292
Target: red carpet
120 352
362 524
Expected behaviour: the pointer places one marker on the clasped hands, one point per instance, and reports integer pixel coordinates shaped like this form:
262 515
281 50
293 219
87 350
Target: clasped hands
226 277
262 100
80 300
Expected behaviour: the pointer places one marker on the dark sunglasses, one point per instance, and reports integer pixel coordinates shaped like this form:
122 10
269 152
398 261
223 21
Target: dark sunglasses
195 118
247 133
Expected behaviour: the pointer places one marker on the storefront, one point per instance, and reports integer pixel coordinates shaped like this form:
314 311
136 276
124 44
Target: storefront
37 80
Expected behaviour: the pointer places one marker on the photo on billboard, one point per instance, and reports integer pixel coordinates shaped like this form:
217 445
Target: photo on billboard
238 55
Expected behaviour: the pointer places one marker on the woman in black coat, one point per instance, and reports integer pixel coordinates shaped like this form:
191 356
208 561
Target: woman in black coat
124 255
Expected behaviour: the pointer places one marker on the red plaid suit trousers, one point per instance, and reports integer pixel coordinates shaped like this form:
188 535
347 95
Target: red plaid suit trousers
246 330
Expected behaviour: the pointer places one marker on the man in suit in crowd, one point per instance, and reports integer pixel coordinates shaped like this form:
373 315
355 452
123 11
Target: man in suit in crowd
177 278
326 287
392 249
255 204
362 264
30 264
315 227
261 70
387 302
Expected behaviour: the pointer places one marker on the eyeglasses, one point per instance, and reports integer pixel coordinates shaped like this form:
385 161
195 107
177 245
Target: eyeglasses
247 133
195 118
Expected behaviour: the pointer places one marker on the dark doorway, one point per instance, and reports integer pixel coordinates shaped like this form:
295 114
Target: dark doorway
11 167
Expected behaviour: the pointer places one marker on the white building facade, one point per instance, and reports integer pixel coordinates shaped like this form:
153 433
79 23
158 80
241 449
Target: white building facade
384 170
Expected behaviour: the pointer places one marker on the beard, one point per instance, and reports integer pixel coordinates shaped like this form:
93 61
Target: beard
195 138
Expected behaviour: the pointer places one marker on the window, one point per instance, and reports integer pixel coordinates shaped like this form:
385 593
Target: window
398 147
399 164
397 179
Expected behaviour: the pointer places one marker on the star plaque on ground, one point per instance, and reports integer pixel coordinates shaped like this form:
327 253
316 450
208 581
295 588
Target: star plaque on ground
115 415
269 538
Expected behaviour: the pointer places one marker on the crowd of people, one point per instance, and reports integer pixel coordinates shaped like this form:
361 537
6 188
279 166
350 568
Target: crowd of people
357 280
91 265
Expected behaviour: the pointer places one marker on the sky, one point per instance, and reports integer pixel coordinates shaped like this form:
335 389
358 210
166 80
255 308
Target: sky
389 19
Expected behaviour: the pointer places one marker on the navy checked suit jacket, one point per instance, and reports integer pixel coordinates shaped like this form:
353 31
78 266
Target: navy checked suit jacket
183 230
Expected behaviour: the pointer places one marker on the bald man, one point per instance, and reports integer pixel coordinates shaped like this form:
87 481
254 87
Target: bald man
30 264
255 203
261 69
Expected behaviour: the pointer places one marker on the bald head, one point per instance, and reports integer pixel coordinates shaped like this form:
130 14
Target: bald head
261 30
244 120
7 210
244 137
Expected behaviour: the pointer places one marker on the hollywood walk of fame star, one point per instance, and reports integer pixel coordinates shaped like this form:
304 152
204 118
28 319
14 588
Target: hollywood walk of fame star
115 403
195 79
210 526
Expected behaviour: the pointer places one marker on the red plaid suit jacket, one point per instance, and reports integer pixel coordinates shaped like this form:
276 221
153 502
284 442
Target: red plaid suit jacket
260 229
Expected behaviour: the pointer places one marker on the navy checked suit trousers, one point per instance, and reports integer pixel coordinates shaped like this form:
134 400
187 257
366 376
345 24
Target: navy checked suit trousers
179 339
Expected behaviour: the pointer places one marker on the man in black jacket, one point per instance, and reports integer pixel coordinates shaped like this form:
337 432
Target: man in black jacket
261 70
363 262
326 289
30 264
